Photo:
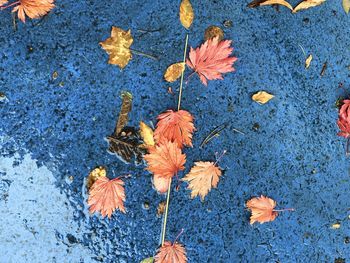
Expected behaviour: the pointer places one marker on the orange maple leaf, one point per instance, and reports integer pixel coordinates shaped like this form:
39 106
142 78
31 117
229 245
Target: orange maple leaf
175 126
171 253
33 8
3 2
164 161
202 177
262 209
211 59
106 195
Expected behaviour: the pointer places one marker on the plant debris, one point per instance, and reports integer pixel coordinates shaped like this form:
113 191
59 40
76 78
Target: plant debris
213 31
94 175
262 97
257 3
174 71
214 133
186 13
308 61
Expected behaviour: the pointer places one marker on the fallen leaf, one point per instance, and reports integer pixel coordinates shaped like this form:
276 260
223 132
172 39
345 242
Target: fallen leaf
213 31
171 253
307 4
124 111
33 8
262 209
262 97
95 174
3 2
346 6
175 126
323 70
118 47
174 71
148 260
105 196
202 177
257 3
126 145
164 161
344 127
211 59
146 133
186 13
161 208
308 61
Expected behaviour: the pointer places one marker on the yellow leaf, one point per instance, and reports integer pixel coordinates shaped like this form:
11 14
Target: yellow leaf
256 3
174 71
262 97
146 134
118 47
308 61
336 225
346 6
186 13
202 177
94 174
307 4
213 31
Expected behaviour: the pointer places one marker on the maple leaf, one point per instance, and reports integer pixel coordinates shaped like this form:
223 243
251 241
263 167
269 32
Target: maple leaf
211 59
344 127
33 8
202 177
164 161
171 253
118 47
3 2
106 195
307 4
344 111
175 126
262 209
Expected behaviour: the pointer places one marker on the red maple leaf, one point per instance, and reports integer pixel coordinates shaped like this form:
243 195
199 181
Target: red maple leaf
33 8
344 111
211 59
106 195
344 127
164 161
175 126
171 253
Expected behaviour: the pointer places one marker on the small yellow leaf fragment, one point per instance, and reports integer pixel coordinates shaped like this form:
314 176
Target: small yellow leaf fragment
336 225
308 61
174 71
94 174
146 133
213 31
186 13
256 3
148 260
307 4
346 6
262 97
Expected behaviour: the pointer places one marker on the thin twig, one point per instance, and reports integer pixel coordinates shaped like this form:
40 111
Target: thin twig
182 75
214 133
166 212
136 52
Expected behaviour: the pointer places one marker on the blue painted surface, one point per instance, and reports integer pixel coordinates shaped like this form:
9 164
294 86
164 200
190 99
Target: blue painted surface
294 156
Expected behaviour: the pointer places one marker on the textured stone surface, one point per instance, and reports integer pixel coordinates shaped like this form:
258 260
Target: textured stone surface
292 155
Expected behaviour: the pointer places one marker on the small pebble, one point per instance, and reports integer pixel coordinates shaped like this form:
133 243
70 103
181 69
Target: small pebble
145 205
256 127
55 75
2 96
227 23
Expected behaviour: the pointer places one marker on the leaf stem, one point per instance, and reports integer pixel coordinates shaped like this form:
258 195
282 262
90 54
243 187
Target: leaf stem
166 212
182 74
178 235
12 4
347 153
136 52
282 210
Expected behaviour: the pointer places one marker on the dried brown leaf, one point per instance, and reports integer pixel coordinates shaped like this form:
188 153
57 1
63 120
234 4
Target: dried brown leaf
186 13
257 3
262 97
118 47
174 71
213 31
124 111
307 4
202 177
171 253
94 175
161 208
